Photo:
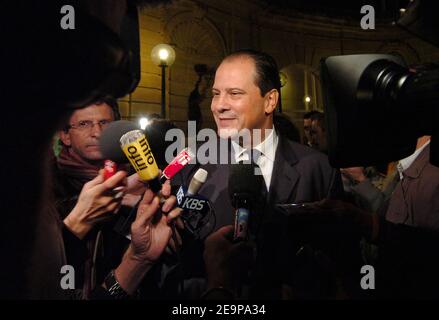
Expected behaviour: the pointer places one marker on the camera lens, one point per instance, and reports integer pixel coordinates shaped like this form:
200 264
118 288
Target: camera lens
382 81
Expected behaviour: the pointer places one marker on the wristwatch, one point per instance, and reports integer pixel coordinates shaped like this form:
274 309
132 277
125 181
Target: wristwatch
114 288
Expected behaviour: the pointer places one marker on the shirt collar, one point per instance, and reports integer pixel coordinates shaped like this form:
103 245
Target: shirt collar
405 163
266 147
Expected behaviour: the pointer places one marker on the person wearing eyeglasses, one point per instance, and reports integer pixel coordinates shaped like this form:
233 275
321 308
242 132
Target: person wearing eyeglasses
79 162
80 138
86 202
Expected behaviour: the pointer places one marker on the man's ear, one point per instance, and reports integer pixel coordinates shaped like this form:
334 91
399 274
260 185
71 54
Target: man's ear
65 137
271 99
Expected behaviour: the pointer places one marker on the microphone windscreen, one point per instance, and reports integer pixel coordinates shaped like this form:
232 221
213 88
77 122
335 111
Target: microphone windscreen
201 175
110 140
245 180
197 181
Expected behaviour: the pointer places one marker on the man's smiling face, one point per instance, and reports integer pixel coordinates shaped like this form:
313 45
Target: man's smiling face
237 102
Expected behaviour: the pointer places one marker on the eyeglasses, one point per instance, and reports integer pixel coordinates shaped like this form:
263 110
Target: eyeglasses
88 124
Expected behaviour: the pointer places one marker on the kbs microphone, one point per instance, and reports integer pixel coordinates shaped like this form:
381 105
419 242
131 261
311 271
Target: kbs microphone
244 189
188 199
196 208
197 181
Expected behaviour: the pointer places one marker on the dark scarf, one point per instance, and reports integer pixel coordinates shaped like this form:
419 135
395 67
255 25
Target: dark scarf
77 169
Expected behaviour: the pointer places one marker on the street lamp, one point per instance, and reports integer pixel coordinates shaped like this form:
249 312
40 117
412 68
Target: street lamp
163 55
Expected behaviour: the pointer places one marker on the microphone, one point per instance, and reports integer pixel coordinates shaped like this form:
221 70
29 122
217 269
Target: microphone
197 182
137 150
195 207
123 140
195 185
109 140
179 162
110 143
244 187
110 169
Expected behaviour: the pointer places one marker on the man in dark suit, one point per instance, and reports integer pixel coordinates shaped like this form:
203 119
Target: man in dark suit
245 96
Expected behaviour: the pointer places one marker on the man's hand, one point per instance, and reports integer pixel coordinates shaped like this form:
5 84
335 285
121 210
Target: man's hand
97 198
134 190
227 263
150 234
135 185
152 230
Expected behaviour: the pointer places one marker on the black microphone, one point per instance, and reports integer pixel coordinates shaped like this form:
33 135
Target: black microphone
109 140
245 185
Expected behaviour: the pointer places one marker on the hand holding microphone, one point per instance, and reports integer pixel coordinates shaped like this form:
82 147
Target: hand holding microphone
151 232
122 141
97 198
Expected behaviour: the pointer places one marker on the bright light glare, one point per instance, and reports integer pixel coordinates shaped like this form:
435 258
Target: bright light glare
144 122
163 54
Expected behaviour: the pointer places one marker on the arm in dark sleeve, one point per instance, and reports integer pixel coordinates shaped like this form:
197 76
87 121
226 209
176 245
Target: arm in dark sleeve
75 248
370 195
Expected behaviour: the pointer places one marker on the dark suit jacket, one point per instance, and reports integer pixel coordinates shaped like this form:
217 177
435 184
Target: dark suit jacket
300 174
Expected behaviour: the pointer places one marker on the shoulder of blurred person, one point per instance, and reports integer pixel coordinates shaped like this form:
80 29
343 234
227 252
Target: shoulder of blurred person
419 188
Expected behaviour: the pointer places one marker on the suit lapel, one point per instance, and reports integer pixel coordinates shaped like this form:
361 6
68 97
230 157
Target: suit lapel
284 176
414 171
